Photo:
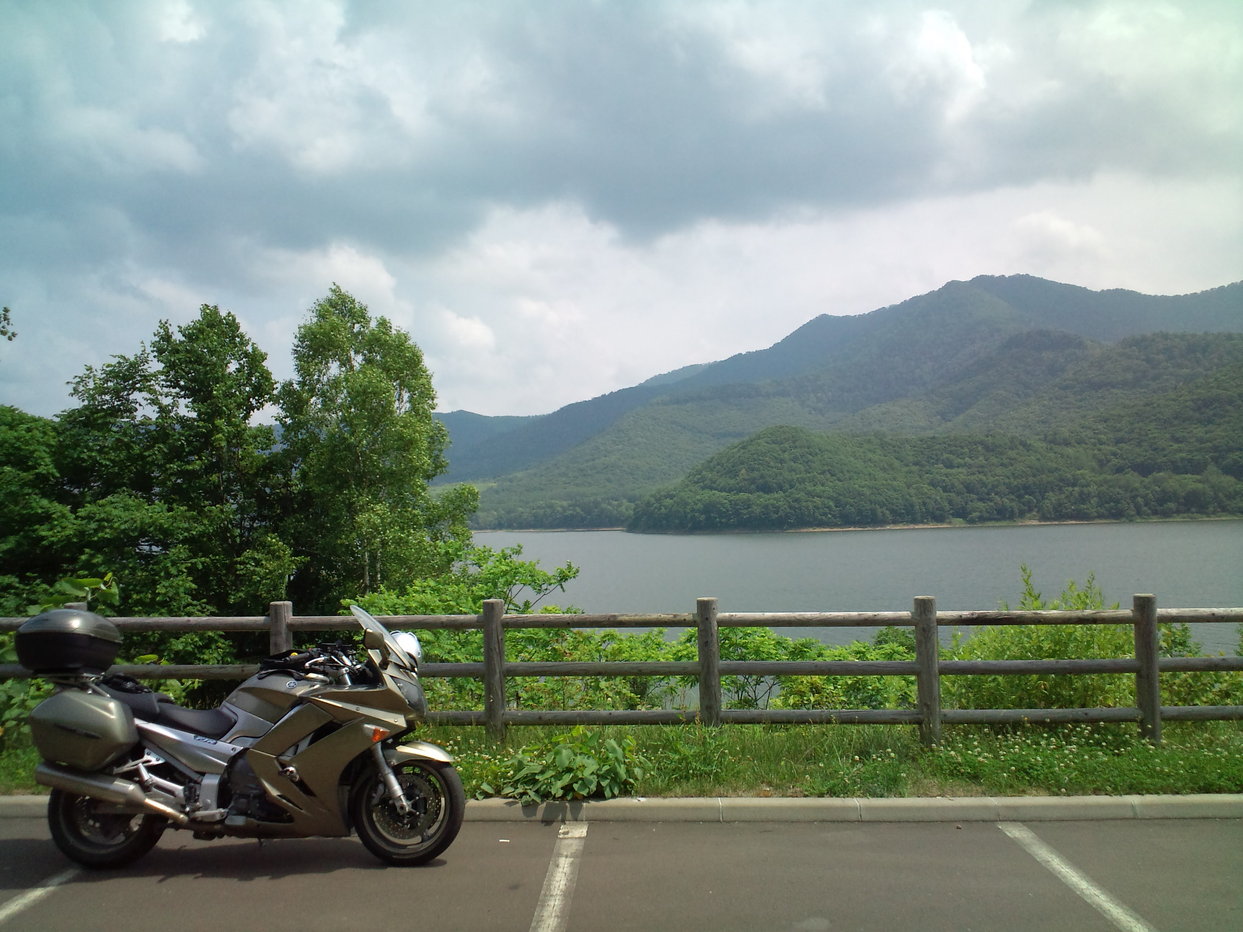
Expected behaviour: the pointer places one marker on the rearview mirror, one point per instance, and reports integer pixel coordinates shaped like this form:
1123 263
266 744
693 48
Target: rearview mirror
374 640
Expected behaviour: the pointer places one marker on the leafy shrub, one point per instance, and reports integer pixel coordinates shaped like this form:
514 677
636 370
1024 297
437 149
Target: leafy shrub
17 698
476 574
103 590
582 764
851 692
1086 642
749 691
585 692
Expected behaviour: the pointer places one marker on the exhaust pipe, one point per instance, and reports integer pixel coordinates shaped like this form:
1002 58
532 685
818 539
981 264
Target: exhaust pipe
109 789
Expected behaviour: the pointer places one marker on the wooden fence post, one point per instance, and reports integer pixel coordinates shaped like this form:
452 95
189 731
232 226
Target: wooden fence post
1147 677
928 678
494 667
709 640
280 638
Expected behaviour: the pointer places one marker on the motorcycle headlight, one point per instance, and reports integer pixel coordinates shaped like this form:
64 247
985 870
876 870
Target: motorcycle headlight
410 644
412 692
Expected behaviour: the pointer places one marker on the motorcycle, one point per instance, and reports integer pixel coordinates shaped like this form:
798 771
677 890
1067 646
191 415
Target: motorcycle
308 746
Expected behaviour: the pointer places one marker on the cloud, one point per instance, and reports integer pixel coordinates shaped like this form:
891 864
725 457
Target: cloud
1045 234
177 22
594 192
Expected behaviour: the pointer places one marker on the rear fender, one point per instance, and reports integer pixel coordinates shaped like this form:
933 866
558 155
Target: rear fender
416 750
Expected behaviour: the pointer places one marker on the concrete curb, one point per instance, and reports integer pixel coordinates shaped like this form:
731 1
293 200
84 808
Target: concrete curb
752 809
22 807
940 809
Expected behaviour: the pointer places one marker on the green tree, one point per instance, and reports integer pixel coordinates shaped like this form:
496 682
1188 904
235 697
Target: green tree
105 444
168 480
361 448
6 325
31 484
211 384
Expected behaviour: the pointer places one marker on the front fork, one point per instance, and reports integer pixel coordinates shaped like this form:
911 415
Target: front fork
400 803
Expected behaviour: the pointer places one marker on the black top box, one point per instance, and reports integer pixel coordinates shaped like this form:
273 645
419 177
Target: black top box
67 640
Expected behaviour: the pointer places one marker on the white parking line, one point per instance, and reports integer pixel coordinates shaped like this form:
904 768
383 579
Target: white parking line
32 896
553 912
1111 909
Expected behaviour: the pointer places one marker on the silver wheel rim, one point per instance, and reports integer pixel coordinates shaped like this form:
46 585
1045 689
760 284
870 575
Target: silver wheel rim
426 795
102 828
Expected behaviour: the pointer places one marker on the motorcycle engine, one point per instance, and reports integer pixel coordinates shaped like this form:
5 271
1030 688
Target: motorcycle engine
248 797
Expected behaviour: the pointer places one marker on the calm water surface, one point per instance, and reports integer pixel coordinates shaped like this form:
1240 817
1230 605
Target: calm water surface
1192 564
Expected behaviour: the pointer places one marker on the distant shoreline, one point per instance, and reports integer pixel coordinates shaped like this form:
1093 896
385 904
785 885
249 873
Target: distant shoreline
914 527
866 527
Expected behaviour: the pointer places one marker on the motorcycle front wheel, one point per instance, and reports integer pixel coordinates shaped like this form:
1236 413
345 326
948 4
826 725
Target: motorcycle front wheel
437 804
96 835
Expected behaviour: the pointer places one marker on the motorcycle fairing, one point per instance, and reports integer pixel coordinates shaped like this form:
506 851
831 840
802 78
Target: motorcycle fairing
198 753
304 778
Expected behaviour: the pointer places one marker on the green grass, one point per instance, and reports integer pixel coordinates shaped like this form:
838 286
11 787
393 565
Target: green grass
17 767
863 760
880 760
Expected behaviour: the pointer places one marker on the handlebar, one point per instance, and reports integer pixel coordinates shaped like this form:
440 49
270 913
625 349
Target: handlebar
327 660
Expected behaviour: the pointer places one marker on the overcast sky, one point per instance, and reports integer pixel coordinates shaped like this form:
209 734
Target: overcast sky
557 199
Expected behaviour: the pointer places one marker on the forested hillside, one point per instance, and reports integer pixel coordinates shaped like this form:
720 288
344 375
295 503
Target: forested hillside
1013 356
1160 438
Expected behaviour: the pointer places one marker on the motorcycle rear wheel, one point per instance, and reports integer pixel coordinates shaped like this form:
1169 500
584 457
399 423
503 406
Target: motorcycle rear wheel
96 835
437 803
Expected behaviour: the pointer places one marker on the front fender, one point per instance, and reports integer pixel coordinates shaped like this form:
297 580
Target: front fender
416 750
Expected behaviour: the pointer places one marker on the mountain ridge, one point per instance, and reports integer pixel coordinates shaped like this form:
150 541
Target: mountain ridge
887 369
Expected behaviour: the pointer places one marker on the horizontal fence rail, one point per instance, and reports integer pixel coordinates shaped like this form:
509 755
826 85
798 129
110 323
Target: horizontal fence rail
493 669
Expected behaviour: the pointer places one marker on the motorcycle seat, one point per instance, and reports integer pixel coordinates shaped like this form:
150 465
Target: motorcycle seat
145 705
209 723
160 708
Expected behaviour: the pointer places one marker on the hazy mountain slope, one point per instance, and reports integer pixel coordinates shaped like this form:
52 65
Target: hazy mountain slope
1035 384
926 343
978 394
645 449
466 429
544 437
1114 314
855 361
1126 376
965 357
861 340
1160 443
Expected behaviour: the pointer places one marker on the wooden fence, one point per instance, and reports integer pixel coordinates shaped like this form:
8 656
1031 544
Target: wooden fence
493 669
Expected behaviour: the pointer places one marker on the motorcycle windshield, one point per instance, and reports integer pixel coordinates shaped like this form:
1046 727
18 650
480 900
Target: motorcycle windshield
370 623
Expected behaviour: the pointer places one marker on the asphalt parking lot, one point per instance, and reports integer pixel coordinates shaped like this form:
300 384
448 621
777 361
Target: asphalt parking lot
545 875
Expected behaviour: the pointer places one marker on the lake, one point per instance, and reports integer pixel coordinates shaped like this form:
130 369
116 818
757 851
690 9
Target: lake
1187 564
